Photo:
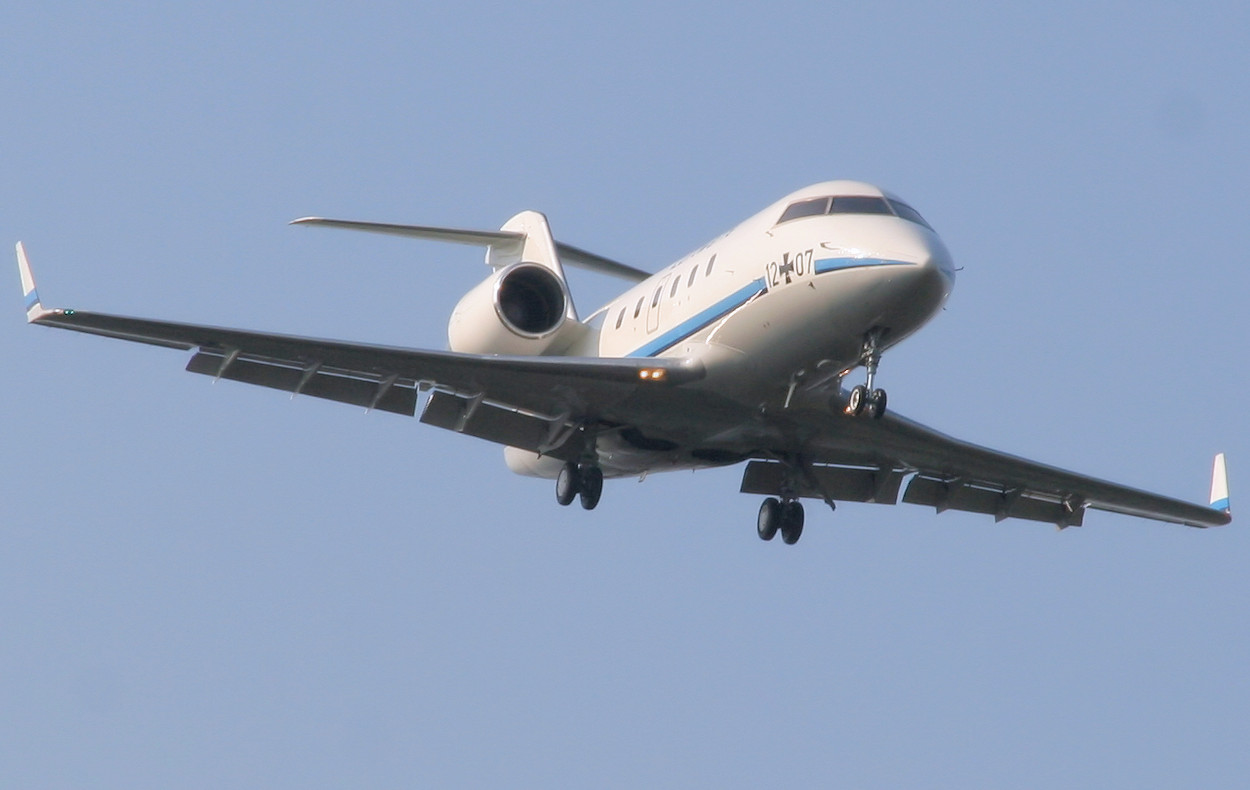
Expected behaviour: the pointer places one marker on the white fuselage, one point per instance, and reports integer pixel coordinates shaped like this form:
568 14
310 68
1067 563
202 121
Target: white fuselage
773 306
768 300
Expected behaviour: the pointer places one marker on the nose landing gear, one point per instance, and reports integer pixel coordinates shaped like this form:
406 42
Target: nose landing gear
864 399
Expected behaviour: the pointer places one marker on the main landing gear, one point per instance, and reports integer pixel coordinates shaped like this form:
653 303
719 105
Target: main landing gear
584 481
784 516
863 398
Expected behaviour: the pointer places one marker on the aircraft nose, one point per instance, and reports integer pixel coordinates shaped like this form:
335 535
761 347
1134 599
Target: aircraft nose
936 272
939 264
933 266
917 291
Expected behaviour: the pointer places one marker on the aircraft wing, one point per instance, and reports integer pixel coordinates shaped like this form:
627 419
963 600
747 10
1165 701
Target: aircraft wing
870 460
526 401
537 402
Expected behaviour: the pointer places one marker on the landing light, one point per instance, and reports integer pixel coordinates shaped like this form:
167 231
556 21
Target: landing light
652 374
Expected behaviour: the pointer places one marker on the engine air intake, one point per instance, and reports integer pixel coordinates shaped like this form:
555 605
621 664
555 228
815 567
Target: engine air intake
530 300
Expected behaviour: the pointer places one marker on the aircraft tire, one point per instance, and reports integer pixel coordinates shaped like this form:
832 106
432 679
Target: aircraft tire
769 519
876 404
856 401
568 484
791 522
591 486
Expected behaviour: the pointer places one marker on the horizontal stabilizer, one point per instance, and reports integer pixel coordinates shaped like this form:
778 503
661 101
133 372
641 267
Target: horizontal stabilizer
479 238
502 240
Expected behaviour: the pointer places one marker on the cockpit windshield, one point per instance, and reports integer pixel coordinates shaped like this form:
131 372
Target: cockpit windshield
852 204
908 213
805 208
859 205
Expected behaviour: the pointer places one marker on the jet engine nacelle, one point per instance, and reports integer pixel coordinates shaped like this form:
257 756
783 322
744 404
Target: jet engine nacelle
521 309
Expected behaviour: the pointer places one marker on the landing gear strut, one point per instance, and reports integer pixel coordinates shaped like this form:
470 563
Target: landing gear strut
785 517
864 399
584 481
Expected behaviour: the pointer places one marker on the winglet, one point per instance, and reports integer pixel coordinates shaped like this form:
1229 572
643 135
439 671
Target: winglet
1219 485
34 308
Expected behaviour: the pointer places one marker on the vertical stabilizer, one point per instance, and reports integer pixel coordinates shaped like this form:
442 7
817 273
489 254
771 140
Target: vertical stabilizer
538 246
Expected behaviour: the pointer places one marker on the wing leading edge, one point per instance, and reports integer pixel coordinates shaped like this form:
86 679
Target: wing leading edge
547 393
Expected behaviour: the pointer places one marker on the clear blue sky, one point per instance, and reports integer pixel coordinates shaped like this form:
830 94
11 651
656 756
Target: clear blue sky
207 586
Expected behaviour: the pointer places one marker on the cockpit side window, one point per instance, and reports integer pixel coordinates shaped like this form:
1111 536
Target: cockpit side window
805 208
859 205
908 213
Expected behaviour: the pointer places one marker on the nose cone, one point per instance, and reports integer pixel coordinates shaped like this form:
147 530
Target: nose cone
932 275
914 285
938 268
940 259
916 293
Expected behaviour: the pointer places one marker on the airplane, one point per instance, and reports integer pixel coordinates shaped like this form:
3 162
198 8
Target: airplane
739 352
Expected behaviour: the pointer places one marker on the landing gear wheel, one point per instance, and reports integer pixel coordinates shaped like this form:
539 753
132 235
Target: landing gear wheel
791 522
568 484
855 403
876 404
769 519
591 485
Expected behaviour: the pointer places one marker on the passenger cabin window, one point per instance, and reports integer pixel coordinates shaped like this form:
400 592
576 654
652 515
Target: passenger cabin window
638 307
693 272
620 317
673 291
655 299
710 261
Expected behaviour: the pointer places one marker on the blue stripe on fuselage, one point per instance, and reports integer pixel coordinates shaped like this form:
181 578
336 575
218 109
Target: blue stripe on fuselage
837 264
732 302
700 320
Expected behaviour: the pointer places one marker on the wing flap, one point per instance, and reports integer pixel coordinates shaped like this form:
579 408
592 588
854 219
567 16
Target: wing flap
373 393
945 495
503 426
818 481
